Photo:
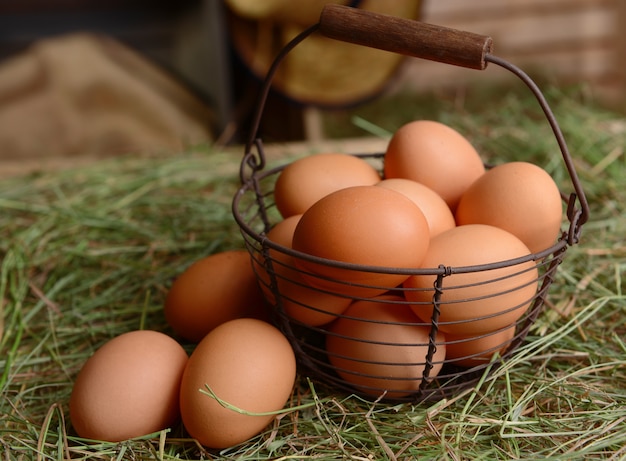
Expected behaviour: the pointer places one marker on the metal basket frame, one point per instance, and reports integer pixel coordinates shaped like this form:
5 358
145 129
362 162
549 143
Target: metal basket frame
254 211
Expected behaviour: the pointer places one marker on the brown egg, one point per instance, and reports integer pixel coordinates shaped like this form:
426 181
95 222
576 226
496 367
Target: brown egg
435 155
380 346
306 180
282 234
246 363
365 225
308 305
435 209
129 387
211 291
519 197
476 301
472 351
298 299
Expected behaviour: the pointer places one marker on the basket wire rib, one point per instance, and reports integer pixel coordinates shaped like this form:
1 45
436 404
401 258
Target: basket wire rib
255 212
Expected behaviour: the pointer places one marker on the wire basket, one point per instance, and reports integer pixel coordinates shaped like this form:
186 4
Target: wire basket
398 366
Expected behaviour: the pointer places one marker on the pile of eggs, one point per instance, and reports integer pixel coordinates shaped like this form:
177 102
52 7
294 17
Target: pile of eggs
239 375
434 204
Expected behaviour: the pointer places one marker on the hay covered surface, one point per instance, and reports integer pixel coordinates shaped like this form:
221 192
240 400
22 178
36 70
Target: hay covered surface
88 253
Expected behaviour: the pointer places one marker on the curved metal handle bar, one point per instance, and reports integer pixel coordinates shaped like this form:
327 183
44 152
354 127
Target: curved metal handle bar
386 32
577 217
258 163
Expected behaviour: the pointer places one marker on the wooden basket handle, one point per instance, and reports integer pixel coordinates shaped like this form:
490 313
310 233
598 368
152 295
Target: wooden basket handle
405 36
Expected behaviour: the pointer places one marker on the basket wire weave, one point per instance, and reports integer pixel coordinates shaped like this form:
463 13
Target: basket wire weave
255 212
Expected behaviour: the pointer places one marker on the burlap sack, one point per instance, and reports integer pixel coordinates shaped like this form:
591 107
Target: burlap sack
84 94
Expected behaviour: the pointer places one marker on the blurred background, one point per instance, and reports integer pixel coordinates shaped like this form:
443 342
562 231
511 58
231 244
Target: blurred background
109 77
